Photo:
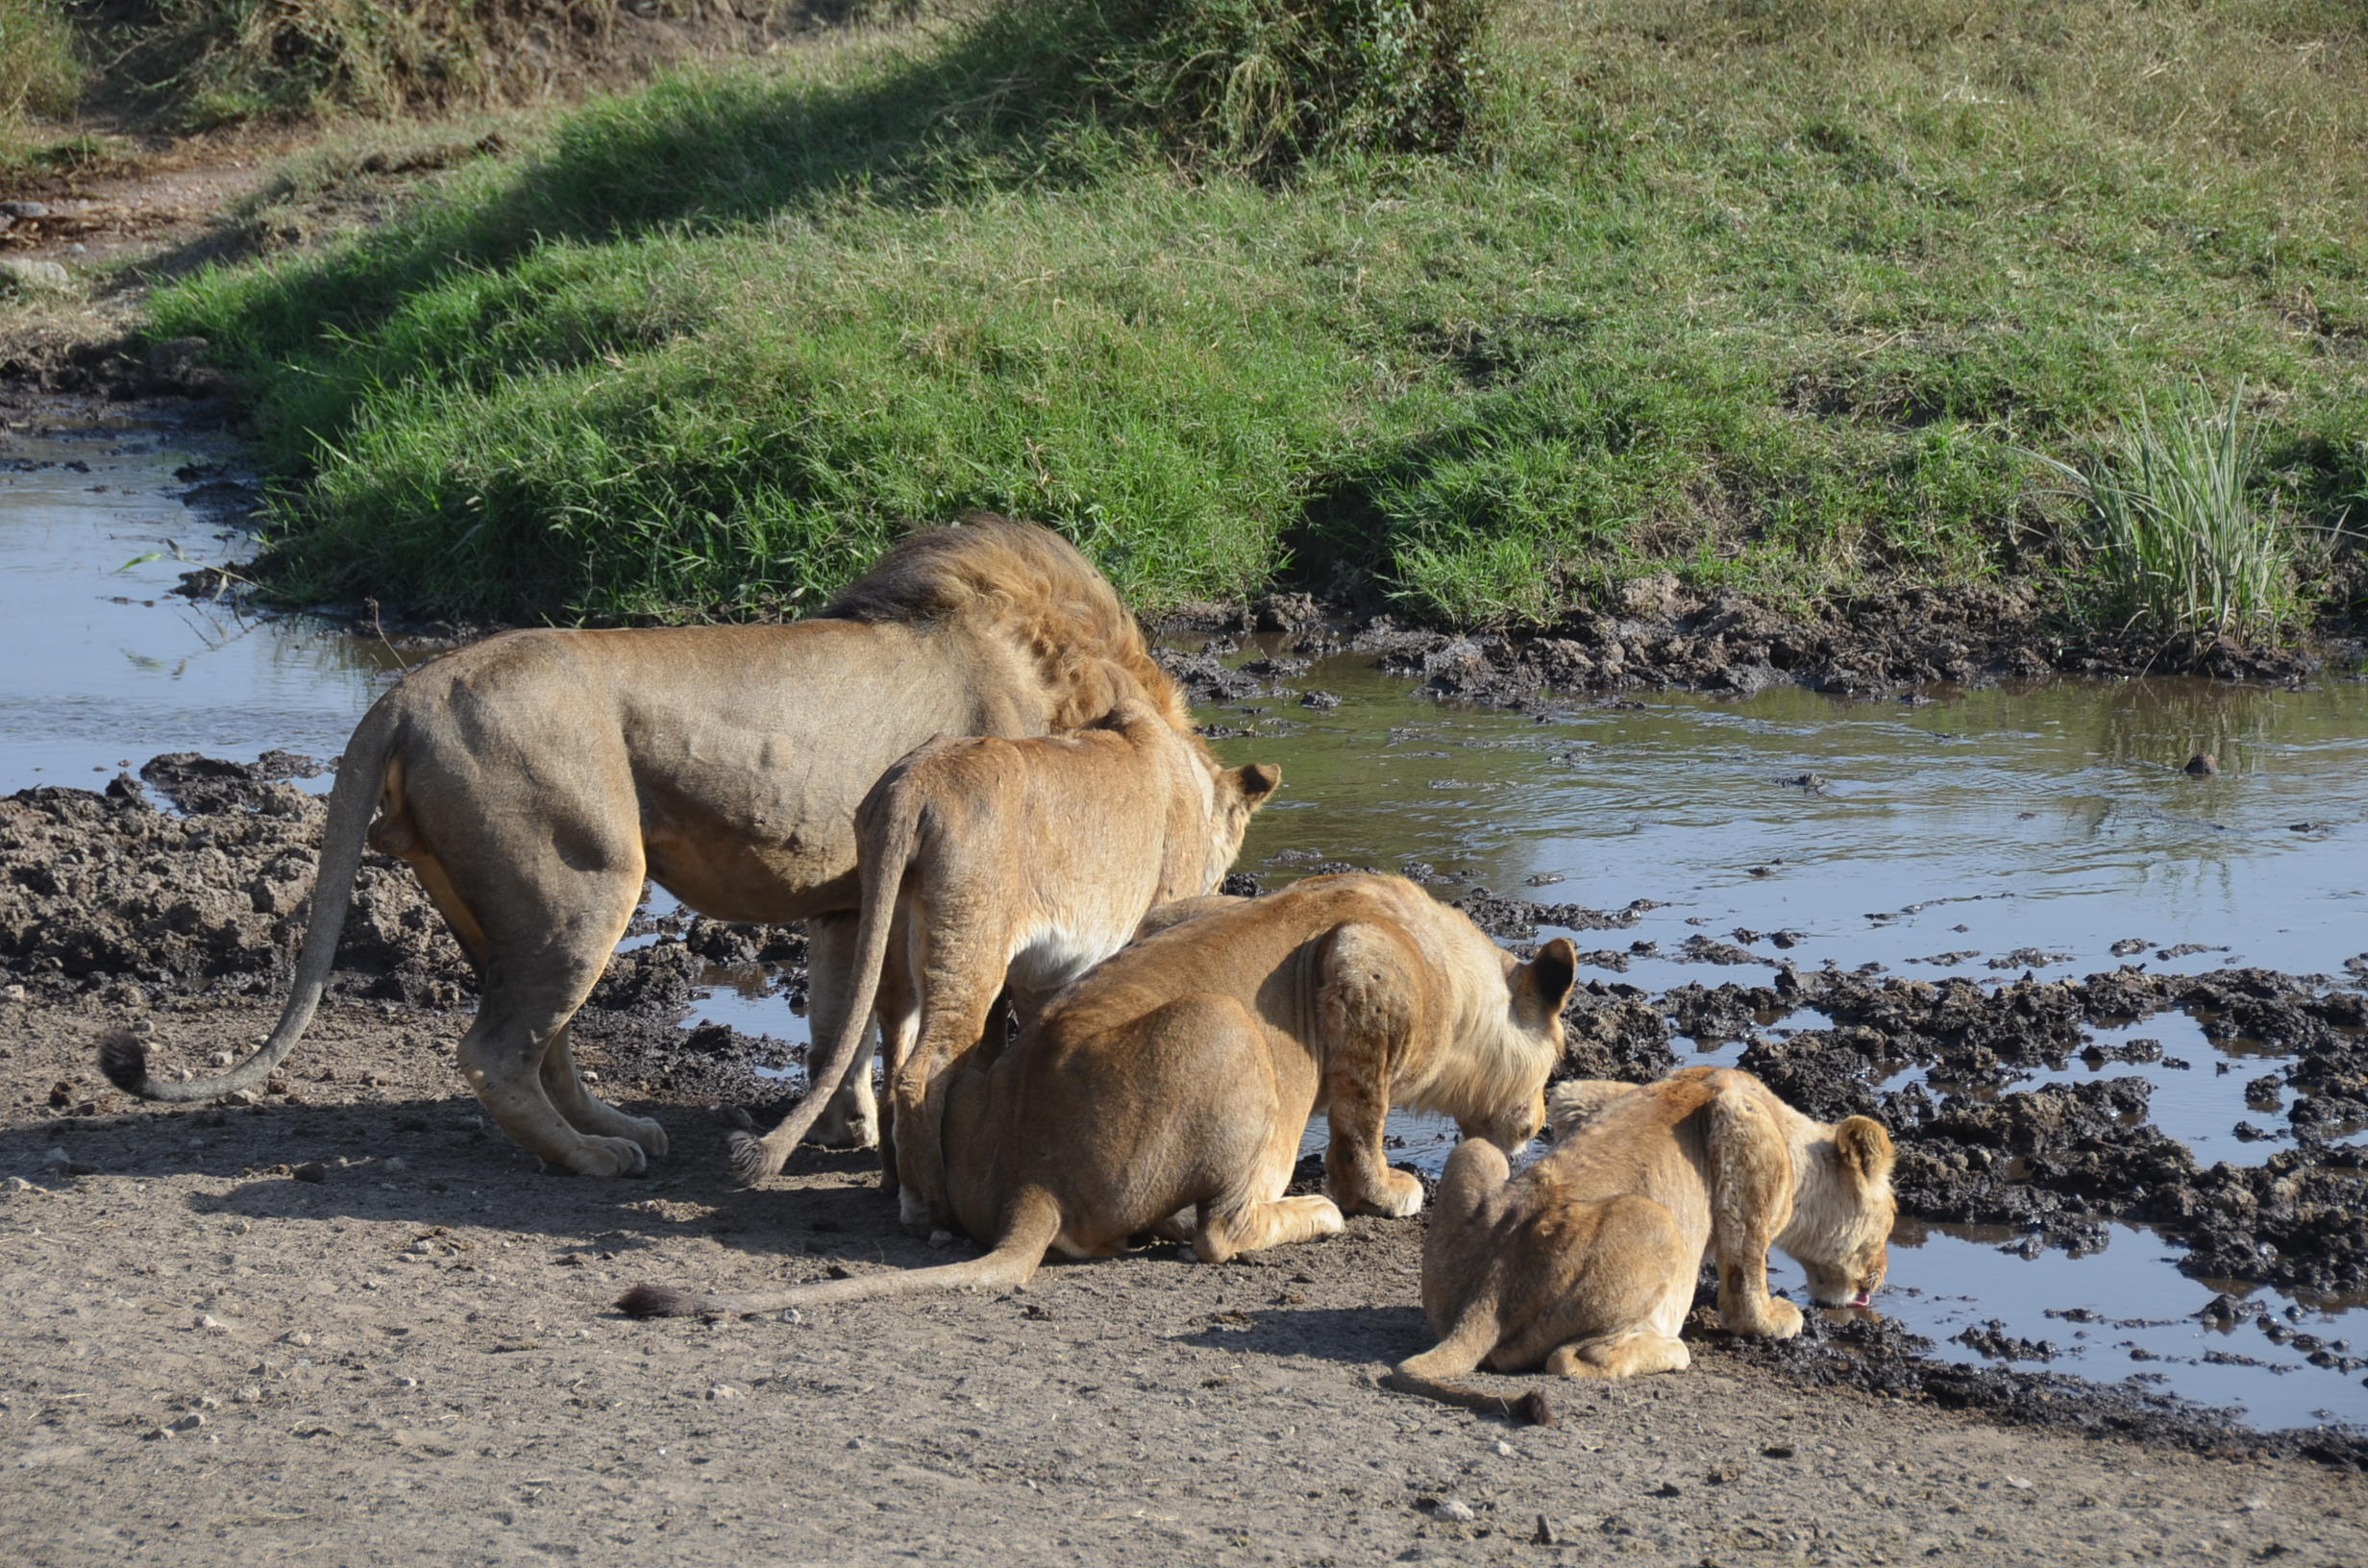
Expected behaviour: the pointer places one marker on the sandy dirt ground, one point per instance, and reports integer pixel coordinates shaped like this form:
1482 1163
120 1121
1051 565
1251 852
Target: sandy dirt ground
354 1324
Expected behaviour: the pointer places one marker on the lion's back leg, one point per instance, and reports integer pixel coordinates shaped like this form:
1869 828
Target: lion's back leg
852 1120
1610 1300
1218 1134
586 1111
963 946
1366 1009
549 900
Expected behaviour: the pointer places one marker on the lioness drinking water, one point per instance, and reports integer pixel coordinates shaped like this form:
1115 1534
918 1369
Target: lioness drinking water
1168 1090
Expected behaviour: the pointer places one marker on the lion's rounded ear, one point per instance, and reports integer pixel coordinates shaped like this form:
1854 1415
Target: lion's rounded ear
1257 781
1865 1147
1546 981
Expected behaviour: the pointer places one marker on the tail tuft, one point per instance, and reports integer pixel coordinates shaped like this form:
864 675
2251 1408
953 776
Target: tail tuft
660 1301
750 1161
1533 1408
124 1060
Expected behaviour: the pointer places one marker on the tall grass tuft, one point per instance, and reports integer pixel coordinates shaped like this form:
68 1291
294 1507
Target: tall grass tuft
2178 543
38 69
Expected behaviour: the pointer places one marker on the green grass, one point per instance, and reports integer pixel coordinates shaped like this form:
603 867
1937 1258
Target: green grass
193 65
1775 295
2179 544
39 71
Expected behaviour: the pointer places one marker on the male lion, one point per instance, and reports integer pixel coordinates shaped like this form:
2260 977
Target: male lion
1586 1261
988 863
1168 1090
535 779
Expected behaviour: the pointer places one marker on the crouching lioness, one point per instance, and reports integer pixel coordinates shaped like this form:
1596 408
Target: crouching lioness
1586 1261
988 863
1167 1090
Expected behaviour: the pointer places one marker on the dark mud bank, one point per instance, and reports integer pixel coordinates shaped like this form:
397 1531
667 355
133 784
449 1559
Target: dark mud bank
118 899
1661 637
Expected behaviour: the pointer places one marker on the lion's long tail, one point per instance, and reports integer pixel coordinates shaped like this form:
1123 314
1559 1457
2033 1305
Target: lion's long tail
1429 1374
360 773
1033 1221
881 874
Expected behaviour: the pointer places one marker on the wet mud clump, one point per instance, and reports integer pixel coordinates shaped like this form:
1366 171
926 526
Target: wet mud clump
1848 1349
109 888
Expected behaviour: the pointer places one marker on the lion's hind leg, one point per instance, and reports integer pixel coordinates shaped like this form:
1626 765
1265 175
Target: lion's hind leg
851 1118
1225 1233
586 1111
1751 1203
1609 1303
1627 1354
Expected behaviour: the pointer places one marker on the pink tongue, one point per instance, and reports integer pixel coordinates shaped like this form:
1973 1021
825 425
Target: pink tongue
1862 1299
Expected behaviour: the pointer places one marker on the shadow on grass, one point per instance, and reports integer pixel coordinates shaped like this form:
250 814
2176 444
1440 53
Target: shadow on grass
699 151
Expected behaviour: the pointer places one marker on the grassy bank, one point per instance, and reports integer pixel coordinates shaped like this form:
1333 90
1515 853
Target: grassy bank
1781 295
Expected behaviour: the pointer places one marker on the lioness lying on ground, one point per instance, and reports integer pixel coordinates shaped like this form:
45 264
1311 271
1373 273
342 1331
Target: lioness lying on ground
535 779
1168 1090
1586 1261
988 863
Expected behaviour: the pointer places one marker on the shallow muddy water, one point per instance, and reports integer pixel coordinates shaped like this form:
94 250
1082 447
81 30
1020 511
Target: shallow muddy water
102 665
1984 834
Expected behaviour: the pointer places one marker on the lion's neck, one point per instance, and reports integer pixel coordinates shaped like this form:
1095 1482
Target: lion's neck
1818 1195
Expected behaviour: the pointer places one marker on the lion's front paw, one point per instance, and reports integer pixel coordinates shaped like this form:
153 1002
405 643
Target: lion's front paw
1772 1318
651 1136
607 1157
1397 1195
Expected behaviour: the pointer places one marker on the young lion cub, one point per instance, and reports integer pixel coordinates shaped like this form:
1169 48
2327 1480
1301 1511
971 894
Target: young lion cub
1167 1090
1586 1261
990 862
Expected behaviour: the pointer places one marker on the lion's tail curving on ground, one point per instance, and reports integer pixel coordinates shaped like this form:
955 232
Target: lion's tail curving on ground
1530 1407
1430 1375
124 1059
883 871
1029 1228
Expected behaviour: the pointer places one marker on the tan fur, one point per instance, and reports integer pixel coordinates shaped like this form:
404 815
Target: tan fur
1586 1262
992 862
1167 1090
535 779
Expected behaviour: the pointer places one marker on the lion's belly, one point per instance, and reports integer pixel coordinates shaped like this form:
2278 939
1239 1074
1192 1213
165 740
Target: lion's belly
1049 956
754 877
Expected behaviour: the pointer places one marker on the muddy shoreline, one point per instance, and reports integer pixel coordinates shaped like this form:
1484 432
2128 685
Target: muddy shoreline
1662 637
183 888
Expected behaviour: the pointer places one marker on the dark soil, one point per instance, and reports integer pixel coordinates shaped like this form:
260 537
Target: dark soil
1661 637
113 896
